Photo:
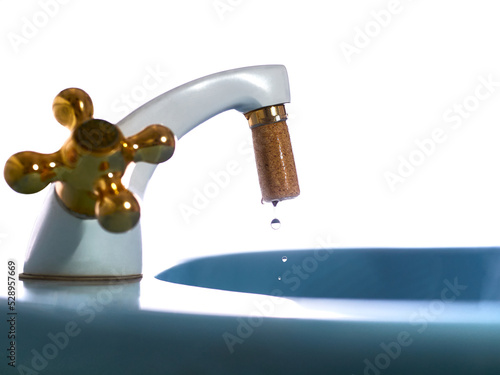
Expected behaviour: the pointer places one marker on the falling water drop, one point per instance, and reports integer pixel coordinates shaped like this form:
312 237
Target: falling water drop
284 259
279 278
275 224
275 203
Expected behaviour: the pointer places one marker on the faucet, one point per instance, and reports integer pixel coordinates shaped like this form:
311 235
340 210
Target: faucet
89 227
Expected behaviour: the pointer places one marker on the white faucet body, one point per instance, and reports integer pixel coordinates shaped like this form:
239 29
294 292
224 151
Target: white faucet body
64 245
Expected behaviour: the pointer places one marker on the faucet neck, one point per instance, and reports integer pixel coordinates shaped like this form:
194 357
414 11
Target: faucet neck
184 108
187 106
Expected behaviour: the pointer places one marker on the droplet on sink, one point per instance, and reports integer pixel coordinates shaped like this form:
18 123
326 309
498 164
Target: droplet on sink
279 278
284 259
275 224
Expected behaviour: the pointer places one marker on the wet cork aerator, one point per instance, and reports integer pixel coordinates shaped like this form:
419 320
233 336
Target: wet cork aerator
273 153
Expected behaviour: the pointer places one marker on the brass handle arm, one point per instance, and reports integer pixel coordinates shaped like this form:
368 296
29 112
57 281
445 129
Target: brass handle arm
29 172
154 144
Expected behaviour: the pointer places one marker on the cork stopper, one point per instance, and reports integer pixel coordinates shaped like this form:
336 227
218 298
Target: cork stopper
273 154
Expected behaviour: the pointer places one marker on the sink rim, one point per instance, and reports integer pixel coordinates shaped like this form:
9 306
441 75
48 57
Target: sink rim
472 311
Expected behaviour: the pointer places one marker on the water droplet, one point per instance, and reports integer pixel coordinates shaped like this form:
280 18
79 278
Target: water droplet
284 259
275 203
279 278
275 224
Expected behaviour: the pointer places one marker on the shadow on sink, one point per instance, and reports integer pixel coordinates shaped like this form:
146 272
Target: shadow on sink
395 274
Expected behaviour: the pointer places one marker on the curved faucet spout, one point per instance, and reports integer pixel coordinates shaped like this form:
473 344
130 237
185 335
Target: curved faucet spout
187 106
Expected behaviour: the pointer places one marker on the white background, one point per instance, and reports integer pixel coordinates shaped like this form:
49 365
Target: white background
352 115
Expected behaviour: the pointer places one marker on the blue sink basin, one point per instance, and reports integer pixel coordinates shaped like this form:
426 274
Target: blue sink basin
350 311
369 274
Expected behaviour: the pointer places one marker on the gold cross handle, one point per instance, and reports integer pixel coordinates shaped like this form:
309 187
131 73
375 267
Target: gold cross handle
89 166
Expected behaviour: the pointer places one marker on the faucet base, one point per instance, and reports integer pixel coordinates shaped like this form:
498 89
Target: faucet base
67 247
